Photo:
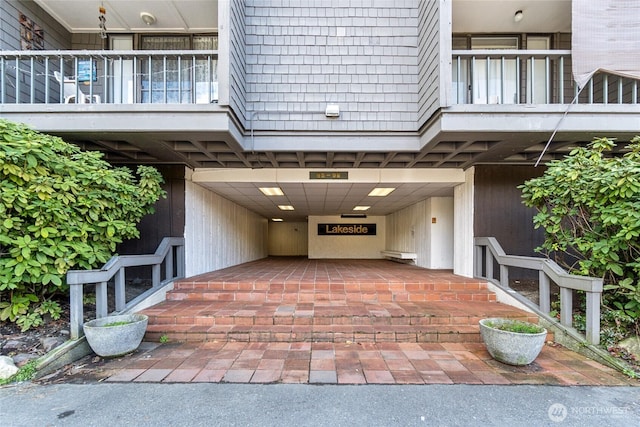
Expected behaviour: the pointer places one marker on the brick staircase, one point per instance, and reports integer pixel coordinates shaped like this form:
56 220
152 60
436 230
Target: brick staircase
289 300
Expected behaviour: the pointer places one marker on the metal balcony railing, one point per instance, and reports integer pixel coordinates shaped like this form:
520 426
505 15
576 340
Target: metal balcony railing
531 77
113 77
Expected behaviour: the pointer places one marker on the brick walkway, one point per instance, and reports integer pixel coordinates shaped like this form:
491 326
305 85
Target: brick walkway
294 320
350 363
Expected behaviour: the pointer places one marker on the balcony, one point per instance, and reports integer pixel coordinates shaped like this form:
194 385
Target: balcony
190 77
531 77
109 77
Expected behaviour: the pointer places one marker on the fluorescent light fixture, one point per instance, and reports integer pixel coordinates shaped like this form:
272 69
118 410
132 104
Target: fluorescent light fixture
271 191
277 219
361 208
285 207
353 216
381 192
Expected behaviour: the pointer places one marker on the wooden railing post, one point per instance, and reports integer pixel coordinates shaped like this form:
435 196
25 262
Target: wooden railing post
168 266
180 271
566 307
155 275
504 275
593 317
477 264
76 313
489 264
101 300
544 292
121 297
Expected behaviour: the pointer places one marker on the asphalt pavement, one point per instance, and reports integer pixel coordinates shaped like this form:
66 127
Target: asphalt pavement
221 404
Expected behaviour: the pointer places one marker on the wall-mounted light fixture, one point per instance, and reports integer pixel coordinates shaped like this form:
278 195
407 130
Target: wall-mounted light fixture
147 18
333 110
518 16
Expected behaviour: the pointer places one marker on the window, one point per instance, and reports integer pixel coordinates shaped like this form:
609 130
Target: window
495 81
499 78
537 73
177 79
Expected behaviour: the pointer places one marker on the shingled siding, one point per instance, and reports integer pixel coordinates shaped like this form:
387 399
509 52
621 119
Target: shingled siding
360 55
434 51
55 37
237 66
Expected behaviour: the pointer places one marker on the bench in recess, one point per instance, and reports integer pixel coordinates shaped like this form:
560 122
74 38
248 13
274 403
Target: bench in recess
399 256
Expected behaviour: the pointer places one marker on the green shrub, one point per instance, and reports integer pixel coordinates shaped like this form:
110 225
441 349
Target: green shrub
60 208
589 206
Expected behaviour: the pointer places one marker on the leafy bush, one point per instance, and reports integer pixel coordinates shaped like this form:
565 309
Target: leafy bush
589 206
60 208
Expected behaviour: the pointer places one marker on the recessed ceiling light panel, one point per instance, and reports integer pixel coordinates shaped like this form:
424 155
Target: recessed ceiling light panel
381 191
271 191
285 207
361 208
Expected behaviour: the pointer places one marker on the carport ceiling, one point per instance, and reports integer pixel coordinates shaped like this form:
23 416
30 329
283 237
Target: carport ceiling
327 198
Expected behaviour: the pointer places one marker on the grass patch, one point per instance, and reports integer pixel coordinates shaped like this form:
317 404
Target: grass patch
120 323
516 326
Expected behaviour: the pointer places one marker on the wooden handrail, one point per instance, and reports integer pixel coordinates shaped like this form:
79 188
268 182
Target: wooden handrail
489 249
115 268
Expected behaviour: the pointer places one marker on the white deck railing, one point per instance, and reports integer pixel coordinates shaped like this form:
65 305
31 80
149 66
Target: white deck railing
531 77
108 76
170 252
489 252
189 77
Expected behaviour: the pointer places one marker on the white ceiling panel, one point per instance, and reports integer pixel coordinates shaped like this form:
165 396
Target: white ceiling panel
326 199
497 16
81 16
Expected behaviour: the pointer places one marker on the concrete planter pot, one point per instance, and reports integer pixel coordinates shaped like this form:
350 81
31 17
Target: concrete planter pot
116 335
513 348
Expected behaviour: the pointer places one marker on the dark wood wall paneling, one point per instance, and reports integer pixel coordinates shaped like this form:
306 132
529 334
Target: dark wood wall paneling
167 221
499 211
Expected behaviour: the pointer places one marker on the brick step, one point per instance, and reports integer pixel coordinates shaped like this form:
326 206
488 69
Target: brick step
447 321
311 296
320 287
316 333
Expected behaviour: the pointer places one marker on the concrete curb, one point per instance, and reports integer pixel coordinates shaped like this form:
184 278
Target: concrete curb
67 353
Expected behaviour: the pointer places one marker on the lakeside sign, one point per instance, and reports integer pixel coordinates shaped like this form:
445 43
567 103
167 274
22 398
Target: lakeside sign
346 229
